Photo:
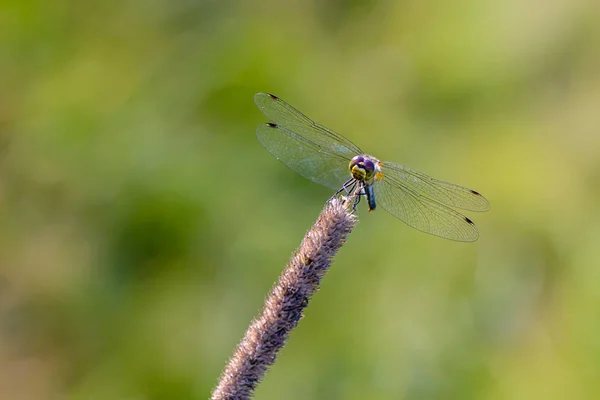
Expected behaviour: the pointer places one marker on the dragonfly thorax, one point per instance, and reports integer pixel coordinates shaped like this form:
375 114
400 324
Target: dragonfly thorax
363 168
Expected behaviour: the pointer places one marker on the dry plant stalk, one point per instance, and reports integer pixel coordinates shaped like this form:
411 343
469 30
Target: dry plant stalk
284 305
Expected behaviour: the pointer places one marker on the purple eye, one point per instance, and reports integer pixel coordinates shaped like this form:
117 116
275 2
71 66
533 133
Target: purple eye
358 159
369 166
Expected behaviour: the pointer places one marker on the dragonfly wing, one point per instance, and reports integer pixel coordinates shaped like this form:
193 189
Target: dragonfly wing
434 189
422 213
303 156
292 120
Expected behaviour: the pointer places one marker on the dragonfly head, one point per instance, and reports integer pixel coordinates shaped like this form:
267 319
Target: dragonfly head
362 168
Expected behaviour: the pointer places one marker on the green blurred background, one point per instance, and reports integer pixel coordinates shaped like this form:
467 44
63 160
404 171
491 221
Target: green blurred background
142 224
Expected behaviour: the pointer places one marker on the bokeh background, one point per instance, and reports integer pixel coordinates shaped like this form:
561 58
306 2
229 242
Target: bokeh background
142 224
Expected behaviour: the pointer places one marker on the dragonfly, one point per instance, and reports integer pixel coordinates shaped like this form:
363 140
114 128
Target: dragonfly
327 158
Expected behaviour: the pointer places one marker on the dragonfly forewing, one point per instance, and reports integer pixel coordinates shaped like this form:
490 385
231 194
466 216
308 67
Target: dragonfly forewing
287 117
424 214
303 156
442 192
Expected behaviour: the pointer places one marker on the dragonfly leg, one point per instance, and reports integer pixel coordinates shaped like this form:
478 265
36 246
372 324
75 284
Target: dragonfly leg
347 187
358 193
350 189
351 193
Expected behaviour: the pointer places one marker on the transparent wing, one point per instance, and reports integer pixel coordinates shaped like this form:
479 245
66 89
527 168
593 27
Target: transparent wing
293 121
303 156
423 213
434 189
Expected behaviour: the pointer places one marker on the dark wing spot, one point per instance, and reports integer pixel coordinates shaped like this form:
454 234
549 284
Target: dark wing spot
469 221
272 96
476 193
271 125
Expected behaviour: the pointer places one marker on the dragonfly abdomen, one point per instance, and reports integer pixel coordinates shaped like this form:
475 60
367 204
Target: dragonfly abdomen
370 193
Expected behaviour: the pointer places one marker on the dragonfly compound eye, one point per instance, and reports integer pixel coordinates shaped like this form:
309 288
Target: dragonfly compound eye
357 160
369 166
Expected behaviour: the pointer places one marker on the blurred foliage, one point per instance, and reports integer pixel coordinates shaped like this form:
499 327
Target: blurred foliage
141 223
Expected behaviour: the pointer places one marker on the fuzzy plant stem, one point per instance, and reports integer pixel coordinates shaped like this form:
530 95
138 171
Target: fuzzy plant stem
283 308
